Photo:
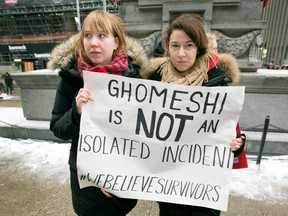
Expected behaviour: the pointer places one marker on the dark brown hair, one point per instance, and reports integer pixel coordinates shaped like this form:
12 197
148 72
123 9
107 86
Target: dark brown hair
194 26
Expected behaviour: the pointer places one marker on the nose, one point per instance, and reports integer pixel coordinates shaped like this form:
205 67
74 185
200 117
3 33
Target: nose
94 41
181 51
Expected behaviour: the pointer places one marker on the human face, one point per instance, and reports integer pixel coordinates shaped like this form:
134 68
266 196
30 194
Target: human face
182 50
99 46
214 46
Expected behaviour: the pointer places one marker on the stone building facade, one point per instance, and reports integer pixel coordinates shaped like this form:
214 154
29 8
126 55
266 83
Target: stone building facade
237 24
275 35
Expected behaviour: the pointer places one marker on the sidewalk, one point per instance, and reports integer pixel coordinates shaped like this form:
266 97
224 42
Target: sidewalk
23 193
26 194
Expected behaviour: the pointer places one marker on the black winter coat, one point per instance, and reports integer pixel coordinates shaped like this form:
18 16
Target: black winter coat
65 124
65 121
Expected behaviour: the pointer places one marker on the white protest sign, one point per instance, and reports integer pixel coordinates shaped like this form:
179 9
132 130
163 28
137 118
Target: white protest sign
150 140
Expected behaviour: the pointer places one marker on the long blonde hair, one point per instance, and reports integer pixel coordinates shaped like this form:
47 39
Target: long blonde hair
106 22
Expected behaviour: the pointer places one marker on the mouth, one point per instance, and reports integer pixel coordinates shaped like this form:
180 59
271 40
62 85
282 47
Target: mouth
181 62
94 52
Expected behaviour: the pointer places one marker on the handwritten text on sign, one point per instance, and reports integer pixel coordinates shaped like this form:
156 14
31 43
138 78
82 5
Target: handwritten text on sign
150 140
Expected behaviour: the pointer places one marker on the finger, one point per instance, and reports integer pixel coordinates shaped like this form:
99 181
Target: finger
91 98
86 94
235 145
80 91
239 141
106 193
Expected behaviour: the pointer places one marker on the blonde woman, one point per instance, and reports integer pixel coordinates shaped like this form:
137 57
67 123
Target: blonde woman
101 46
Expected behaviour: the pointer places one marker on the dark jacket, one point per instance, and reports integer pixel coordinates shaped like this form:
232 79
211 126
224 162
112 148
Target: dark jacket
65 121
8 79
65 124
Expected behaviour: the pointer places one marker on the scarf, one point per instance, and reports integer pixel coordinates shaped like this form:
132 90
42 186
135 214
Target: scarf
194 76
117 65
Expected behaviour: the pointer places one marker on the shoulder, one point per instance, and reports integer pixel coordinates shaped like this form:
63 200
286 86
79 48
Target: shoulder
62 54
154 67
228 64
155 75
137 58
216 77
70 74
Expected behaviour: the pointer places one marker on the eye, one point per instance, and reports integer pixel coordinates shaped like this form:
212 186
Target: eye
189 45
87 35
174 46
102 35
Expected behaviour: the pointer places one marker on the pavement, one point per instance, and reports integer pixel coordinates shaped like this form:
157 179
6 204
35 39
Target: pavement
26 194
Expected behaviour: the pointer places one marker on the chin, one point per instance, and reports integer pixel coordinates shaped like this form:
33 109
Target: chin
181 69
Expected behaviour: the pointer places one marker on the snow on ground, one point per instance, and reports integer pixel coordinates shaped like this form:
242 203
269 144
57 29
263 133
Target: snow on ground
269 181
46 158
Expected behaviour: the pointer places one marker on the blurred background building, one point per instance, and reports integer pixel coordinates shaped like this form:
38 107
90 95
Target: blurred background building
29 29
275 37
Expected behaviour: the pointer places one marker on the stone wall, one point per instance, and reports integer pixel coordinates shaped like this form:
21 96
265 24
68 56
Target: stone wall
237 23
266 95
37 92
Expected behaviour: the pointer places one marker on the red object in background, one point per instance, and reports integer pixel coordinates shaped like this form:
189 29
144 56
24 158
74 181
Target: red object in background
11 1
265 2
240 161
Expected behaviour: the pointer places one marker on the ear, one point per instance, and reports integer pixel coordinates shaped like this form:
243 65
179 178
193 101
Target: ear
116 43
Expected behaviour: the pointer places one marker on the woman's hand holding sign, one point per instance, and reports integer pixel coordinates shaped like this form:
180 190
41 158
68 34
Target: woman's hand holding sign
83 97
237 143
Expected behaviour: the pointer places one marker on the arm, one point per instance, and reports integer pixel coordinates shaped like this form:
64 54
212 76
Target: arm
65 119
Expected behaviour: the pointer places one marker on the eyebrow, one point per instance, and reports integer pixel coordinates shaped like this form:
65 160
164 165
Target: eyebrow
190 41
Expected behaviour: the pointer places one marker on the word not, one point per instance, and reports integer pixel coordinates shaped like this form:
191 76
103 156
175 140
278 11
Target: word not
141 120
174 124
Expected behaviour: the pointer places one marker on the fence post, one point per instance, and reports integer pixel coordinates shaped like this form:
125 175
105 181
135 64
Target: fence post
266 124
